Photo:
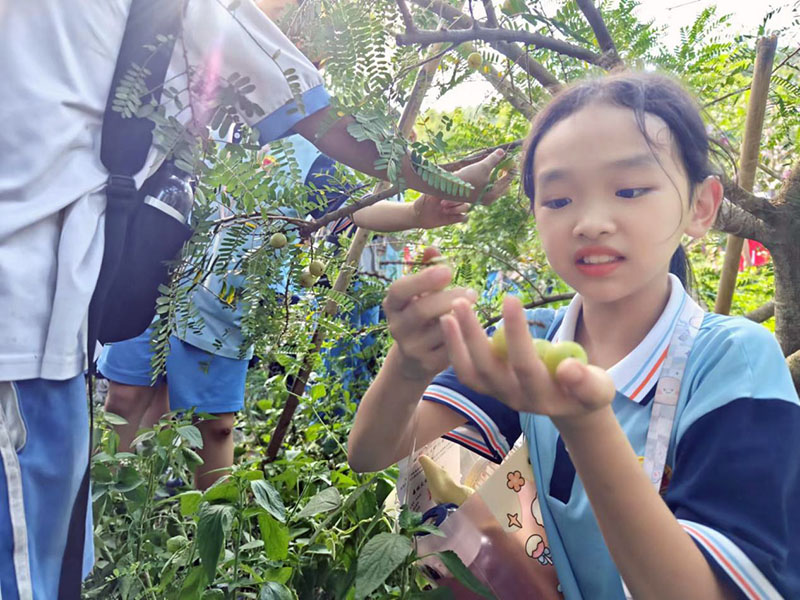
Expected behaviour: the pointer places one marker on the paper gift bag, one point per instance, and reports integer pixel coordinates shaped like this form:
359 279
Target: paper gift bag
498 532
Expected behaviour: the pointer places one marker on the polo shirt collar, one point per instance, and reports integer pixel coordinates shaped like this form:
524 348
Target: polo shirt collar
636 374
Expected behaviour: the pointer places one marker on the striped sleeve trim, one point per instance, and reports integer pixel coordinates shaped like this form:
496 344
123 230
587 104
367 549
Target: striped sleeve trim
732 560
494 445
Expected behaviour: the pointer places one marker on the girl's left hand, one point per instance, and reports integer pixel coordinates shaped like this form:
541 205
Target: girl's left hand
522 381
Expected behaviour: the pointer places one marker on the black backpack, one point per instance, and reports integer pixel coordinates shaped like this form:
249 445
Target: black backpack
140 240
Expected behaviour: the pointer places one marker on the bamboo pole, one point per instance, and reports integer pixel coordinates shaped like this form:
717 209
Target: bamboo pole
360 240
748 162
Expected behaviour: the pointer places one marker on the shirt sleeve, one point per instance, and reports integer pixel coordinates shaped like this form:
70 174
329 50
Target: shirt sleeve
735 487
492 428
284 85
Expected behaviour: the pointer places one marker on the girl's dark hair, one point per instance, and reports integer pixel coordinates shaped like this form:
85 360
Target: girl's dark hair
642 93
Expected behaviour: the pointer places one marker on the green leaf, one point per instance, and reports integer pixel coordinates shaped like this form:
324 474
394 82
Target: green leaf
272 590
378 559
190 501
193 584
113 419
268 498
192 435
460 571
275 536
440 593
213 525
225 489
322 502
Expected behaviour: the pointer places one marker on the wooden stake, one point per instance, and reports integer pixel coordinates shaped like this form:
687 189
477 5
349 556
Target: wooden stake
759 89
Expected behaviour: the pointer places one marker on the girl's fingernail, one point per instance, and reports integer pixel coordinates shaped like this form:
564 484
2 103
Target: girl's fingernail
471 295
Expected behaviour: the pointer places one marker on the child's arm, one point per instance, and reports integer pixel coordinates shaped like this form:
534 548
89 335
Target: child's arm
426 212
656 557
383 431
337 143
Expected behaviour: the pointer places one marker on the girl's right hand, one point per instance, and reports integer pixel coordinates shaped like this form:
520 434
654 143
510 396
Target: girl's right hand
413 305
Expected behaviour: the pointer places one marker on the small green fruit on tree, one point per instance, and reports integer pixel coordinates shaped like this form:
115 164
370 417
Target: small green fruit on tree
278 240
316 268
307 280
474 60
561 351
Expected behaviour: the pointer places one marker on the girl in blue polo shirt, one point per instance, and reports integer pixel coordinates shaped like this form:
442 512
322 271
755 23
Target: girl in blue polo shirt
617 172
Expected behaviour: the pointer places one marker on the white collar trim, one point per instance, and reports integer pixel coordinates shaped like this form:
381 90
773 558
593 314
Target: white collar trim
636 374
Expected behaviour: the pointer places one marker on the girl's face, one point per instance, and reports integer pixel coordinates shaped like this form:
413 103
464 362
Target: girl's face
610 208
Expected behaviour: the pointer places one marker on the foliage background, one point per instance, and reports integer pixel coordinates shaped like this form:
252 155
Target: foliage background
296 527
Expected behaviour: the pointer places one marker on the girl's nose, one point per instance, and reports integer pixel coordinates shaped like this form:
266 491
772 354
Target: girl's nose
593 224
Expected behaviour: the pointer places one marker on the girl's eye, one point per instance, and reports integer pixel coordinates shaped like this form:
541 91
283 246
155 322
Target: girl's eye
557 203
632 192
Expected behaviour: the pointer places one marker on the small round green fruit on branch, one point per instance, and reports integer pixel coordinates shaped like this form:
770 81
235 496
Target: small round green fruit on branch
307 279
316 268
277 240
474 60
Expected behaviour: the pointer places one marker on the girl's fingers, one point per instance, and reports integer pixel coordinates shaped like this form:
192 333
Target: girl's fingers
420 313
457 352
522 356
402 291
590 385
487 366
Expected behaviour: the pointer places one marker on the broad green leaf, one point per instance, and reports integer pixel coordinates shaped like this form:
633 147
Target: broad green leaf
325 501
275 536
272 590
193 585
223 489
192 435
378 559
190 501
214 523
460 571
268 498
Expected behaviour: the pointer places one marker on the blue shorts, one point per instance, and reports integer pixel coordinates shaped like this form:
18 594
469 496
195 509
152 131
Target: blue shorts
195 378
44 446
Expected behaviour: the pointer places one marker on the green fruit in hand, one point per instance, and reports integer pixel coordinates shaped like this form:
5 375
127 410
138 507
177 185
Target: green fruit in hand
474 60
307 280
278 240
316 268
541 346
499 345
561 351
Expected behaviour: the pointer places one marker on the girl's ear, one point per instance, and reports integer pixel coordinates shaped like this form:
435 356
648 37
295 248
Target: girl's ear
707 199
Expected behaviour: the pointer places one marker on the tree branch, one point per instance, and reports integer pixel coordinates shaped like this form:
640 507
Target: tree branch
491 16
544 300
479 155
793 362
598 25
426 38
757 206
762 313
408 20
734 220
517 55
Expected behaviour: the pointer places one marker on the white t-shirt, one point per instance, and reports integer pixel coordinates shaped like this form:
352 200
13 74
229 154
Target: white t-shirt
56 70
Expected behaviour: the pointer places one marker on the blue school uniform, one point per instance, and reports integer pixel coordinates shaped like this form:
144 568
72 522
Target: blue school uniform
733 470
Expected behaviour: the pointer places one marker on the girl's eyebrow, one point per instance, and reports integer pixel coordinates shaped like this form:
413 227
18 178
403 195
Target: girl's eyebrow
637 160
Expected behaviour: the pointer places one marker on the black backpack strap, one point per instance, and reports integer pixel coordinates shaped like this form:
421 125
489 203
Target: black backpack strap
124 146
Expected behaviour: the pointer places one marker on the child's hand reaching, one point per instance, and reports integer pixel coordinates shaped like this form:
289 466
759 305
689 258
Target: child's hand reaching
413 305
522 381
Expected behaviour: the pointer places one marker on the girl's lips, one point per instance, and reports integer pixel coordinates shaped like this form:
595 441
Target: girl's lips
598 269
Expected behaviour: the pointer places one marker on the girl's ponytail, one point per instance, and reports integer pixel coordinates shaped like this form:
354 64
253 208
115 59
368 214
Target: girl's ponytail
680 266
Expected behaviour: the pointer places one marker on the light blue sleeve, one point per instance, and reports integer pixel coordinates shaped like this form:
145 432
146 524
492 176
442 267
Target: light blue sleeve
280 122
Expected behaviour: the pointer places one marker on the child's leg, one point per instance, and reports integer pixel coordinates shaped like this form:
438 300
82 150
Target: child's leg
217 451
159 406
212 384
44 452
130 402
131 390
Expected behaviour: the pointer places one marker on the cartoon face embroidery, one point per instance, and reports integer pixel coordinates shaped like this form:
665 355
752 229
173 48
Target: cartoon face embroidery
536 511
536 548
